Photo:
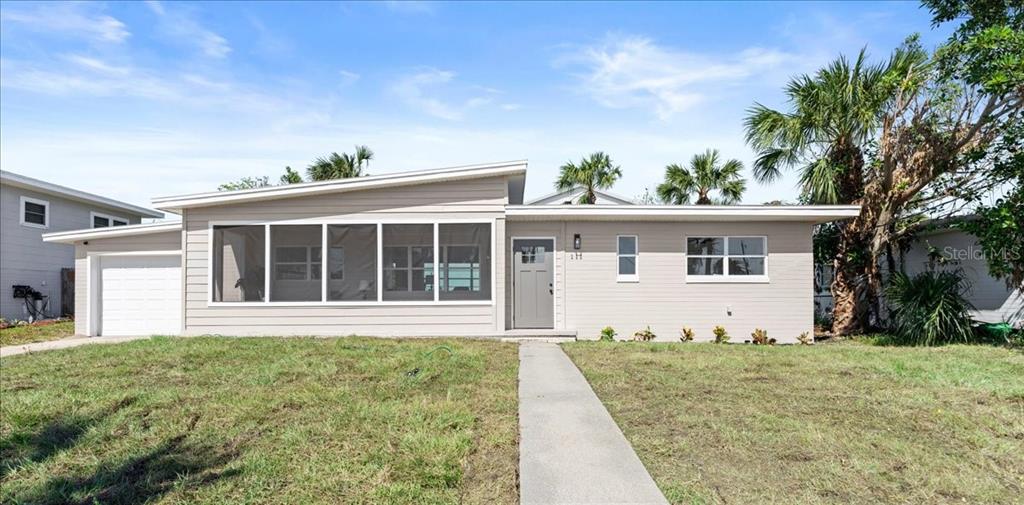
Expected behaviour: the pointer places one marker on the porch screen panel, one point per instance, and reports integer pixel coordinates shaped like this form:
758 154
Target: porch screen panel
465 261
352 262
239 264
296 260
408 262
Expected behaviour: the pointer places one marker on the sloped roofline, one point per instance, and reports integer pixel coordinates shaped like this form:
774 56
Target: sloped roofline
49 188
176 203
807 213
572 191
72 236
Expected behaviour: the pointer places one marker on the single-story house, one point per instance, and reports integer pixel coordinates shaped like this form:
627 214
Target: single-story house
446 252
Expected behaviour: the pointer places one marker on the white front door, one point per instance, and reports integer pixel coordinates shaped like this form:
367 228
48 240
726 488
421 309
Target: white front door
140 295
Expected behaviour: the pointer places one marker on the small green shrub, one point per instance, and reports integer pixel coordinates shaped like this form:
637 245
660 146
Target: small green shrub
805 338
608 334
930 308
686 334
760 337
644 335
721 336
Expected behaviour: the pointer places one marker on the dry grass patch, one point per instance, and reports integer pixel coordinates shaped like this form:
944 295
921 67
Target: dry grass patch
38 332
261 420
845 423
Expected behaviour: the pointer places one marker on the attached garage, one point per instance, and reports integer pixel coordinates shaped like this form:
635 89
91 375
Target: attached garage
128 279
138 295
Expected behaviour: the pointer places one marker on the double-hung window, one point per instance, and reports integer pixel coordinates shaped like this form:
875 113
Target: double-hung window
104 220
35 213
741 259
628 256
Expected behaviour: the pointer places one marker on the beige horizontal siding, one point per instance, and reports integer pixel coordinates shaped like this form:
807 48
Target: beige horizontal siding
167 241
589 297
474 199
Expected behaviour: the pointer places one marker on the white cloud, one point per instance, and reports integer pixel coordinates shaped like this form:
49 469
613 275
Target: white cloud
630 71
420 91
181 25
69 19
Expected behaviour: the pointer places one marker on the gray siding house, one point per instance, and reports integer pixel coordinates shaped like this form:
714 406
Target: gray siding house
28 209
446 252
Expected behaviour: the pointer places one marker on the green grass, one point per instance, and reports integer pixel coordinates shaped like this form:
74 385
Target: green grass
261 420
36 333
839 423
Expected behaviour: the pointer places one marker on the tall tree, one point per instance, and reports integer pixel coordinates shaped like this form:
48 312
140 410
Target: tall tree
593 172
290 176
705 175
340 166
245 183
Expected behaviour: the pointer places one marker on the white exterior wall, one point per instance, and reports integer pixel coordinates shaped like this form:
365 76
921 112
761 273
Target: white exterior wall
166 241
588 297
477 199
26 259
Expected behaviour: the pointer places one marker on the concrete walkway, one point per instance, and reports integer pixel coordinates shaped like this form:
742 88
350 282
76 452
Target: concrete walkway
64 343
570 449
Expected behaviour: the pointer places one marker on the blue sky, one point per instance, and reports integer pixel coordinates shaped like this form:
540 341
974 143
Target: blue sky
135 100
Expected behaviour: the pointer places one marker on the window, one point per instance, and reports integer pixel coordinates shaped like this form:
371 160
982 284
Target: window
296 257
35 213
628 256
352 262
103 220
408 262
741 258
464 270
239 264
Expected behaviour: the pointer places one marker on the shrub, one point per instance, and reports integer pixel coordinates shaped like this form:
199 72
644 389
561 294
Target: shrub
805 338
644 335
608 334
760 337
929 308
721 336
686 334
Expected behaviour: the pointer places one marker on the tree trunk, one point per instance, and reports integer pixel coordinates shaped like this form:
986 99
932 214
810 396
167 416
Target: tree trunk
848 283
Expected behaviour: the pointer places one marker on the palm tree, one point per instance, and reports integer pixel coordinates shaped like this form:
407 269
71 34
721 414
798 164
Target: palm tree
593 172
340 166
704 175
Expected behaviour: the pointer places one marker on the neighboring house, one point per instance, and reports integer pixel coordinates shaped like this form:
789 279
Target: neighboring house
28 209
571 196
943 247
446 252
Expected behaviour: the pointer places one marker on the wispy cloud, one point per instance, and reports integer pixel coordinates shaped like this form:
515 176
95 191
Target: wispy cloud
632 71
68 19
179 23
348 77
418 91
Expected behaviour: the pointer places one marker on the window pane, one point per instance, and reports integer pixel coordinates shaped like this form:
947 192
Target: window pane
409 257
238 263
627 265
291 249
704 266
705 246
753 246
35 213
746 266
100 222
627 245
118 222
352 262
465 261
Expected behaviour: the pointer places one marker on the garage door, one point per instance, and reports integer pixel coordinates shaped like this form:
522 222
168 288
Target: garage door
140 295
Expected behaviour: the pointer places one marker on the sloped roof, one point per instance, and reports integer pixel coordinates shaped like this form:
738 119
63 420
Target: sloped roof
49 188
570 195
807 213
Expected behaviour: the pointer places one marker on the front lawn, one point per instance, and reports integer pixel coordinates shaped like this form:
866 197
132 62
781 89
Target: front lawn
39 332
261 420
818 424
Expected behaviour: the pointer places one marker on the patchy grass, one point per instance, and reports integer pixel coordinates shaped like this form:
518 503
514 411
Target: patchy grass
261 420
39 332
841 423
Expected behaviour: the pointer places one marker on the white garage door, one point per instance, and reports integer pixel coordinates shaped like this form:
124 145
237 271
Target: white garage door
140 295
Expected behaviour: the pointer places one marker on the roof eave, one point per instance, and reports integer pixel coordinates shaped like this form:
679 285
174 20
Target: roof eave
32 184
73 236
813 214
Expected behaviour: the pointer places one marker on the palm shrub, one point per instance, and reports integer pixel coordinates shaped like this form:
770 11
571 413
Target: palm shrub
929 308
608 334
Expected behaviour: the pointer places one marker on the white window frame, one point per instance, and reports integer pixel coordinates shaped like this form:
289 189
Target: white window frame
725 277
492 301
635 277
110 219
309 263
46 215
